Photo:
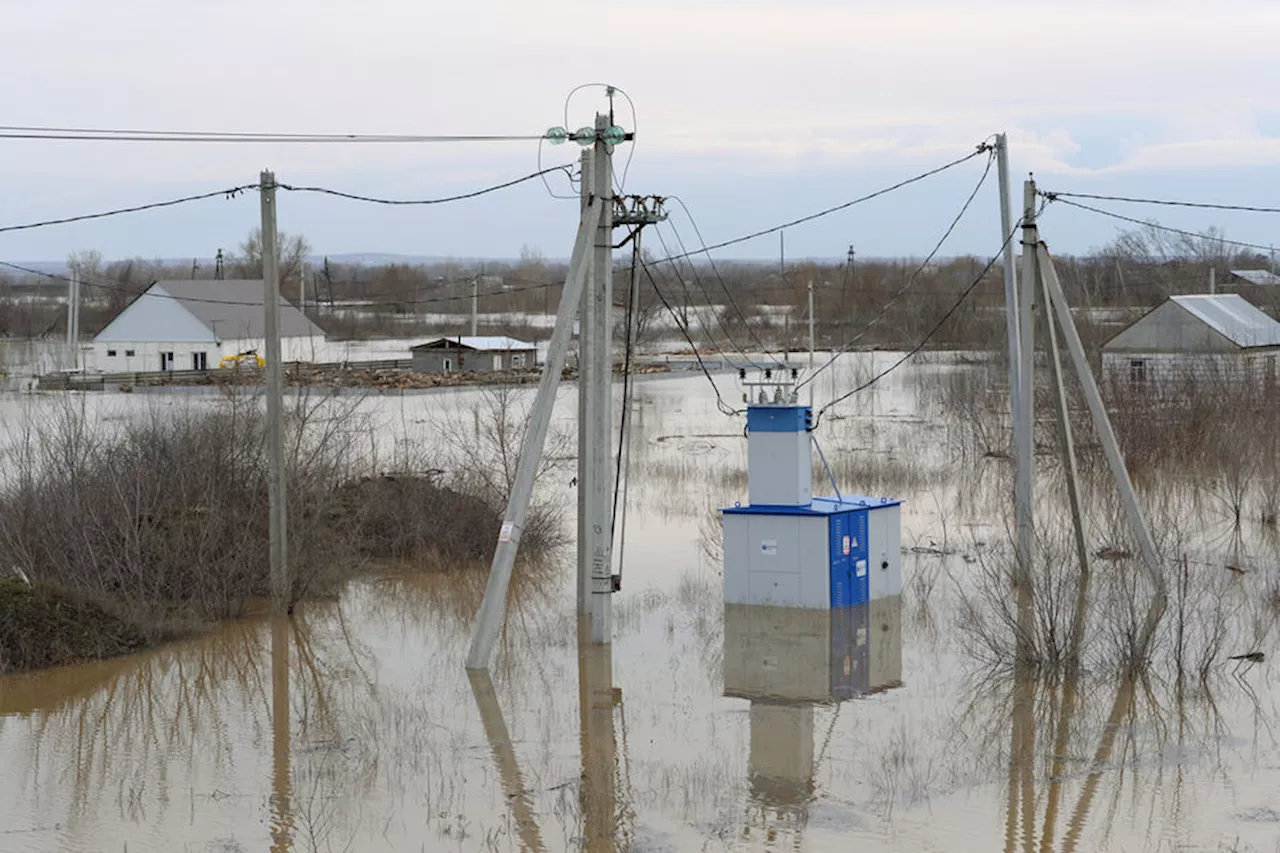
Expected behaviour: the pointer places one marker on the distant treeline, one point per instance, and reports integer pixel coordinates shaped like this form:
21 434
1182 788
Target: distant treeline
727 307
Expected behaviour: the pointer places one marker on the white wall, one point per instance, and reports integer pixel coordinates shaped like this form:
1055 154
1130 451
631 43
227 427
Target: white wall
146 354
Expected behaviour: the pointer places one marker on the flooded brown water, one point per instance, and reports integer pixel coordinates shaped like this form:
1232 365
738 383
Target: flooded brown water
354 726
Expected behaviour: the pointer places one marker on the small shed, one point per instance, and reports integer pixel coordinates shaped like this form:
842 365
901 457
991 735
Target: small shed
470 353
1218 337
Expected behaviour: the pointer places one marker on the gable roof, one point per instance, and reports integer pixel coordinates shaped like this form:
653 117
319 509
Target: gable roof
1233 317
202 310
1263 277
234 308
479 343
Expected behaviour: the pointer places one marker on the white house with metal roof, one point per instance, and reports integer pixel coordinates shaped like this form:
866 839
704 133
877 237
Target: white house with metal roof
1211 337
473 352
194 324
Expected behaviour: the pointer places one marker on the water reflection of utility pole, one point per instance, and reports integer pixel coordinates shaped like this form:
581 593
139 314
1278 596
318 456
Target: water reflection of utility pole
504 756
596 700
281 781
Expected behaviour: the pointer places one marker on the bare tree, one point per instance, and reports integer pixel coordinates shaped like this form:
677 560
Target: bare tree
292 249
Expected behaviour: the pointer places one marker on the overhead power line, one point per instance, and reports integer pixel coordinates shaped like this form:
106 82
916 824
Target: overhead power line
426 201
724 407
1148 223
1166 202
981 149
231 192
90 134
733 304
925 340
911 279
710 304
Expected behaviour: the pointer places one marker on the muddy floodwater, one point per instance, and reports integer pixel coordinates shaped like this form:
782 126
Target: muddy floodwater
889 726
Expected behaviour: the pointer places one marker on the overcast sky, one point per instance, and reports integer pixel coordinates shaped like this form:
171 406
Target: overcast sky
752 112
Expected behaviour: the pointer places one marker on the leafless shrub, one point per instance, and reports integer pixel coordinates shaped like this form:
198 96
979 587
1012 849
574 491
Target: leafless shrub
481 453
170 508
168 511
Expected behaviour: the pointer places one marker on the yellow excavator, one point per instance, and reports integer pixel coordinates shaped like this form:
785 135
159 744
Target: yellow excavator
249 358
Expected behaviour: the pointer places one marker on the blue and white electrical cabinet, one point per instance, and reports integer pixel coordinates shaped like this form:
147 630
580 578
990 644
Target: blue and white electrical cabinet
786 547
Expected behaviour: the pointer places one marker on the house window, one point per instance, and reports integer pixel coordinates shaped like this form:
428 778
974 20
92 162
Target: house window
1137 371
448 365
517 359
199 361
111 353
166 361
128 353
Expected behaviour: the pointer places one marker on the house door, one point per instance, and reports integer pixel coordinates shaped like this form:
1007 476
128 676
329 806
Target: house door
166 361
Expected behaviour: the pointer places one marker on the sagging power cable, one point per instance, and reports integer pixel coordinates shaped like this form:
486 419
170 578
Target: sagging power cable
1147 223
925 340
911 279
1054 195
982 148
724 407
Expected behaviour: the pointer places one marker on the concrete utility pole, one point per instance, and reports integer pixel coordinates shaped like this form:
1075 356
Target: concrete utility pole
475 305
492 609
812 342
587 295
276 491
1213 283
1023 420
595 401
73 316
1101 420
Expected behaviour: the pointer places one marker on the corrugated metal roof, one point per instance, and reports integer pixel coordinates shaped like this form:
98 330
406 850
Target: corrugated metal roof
234 308
1264 277
1233 317
482 343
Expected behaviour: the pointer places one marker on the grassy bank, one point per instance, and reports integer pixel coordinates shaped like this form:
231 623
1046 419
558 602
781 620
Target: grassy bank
42 626
162 520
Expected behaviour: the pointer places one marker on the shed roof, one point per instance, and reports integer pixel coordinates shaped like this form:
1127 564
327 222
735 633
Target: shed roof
1263 277
1233 317
479 343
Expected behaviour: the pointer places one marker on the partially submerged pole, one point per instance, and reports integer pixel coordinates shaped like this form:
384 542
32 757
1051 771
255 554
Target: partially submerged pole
595 401
1023 422
490 619
277 514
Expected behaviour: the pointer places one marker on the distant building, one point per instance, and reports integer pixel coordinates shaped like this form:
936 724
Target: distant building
464 352
192 324
1219 337
1260 278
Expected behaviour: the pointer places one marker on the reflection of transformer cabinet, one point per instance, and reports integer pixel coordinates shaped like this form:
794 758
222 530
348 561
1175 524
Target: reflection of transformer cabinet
790 549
